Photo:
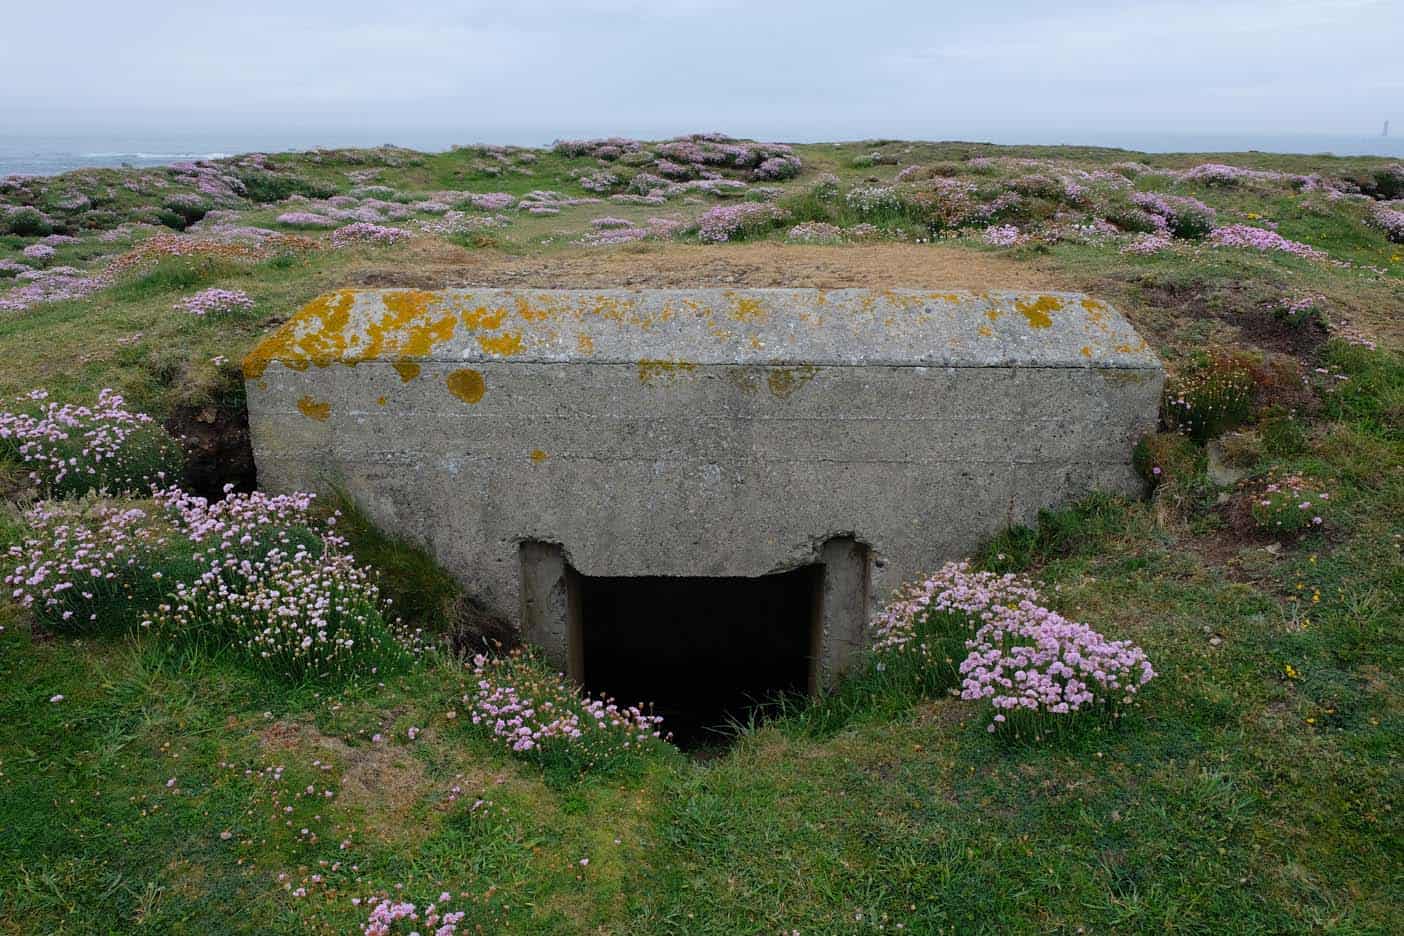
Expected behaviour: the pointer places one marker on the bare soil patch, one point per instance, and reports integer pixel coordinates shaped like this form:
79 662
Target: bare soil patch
439 265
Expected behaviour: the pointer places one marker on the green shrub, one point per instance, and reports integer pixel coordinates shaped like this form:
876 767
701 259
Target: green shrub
1389 183
190 209
267 187
27 222
1283 433
1168 458
1130 218
171 219
1211 396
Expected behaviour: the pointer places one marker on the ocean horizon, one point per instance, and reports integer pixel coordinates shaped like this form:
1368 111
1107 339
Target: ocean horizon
52 154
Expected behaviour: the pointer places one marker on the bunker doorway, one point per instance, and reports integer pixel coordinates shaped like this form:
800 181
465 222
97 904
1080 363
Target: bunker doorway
704 651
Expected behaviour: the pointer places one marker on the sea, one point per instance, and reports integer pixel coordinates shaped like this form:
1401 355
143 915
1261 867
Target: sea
49 154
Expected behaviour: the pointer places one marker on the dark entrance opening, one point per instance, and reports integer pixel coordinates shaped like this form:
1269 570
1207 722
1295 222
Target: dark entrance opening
704 651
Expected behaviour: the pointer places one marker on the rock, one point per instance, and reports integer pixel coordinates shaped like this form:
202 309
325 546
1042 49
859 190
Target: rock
1220 472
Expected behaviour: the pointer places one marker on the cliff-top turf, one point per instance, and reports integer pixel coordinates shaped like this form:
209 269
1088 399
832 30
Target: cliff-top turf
224 711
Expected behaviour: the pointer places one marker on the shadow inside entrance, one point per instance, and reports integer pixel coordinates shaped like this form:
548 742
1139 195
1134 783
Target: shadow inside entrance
704 651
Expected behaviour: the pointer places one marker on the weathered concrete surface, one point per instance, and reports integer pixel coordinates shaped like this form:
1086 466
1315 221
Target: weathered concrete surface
702 432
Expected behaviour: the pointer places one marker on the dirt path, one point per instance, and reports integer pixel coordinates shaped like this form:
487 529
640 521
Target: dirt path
917 265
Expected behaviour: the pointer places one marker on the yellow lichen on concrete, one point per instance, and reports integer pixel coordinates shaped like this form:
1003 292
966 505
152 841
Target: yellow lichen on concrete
314 409
408 370
748 309
481 318
744 379
585 343
1038 312
322 333
538 456
466 384
784 381
652 370
503 345
305 338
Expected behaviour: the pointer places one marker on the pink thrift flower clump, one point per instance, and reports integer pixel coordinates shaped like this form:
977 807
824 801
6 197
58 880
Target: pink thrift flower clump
1254 238
40 252
1180 215
1224 175
70 448
492 201
1028 659
1301 308
216 302
1020 656
815 232
387 916
599 181
1389 217
56 284
292 601
458 222
538 714
619 231
1290 504
868 199
77 560
364 232
1002 235
728 222
1146 244
779 167
952 589
546 201
306 219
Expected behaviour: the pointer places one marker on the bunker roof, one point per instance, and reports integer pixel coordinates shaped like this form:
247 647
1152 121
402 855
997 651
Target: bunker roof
838 327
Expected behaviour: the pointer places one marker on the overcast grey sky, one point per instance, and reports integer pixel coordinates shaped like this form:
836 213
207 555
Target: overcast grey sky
775 68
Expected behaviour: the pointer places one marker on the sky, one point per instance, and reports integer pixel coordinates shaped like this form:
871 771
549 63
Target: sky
527 71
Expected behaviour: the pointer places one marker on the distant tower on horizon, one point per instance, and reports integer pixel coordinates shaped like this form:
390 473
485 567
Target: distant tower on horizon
1385 131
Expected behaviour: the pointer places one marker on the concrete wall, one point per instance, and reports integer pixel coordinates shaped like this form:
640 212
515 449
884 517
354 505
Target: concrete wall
701 432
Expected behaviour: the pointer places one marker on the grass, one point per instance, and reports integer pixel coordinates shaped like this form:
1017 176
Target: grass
1254 787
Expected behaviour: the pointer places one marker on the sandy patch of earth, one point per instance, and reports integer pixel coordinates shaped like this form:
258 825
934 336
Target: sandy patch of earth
439 265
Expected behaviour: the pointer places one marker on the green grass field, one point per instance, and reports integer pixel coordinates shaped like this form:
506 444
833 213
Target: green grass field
1254 787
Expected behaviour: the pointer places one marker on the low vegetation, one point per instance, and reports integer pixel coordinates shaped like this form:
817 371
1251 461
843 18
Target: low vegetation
252 713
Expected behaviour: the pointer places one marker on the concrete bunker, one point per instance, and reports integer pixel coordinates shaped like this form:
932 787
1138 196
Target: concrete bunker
568 450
